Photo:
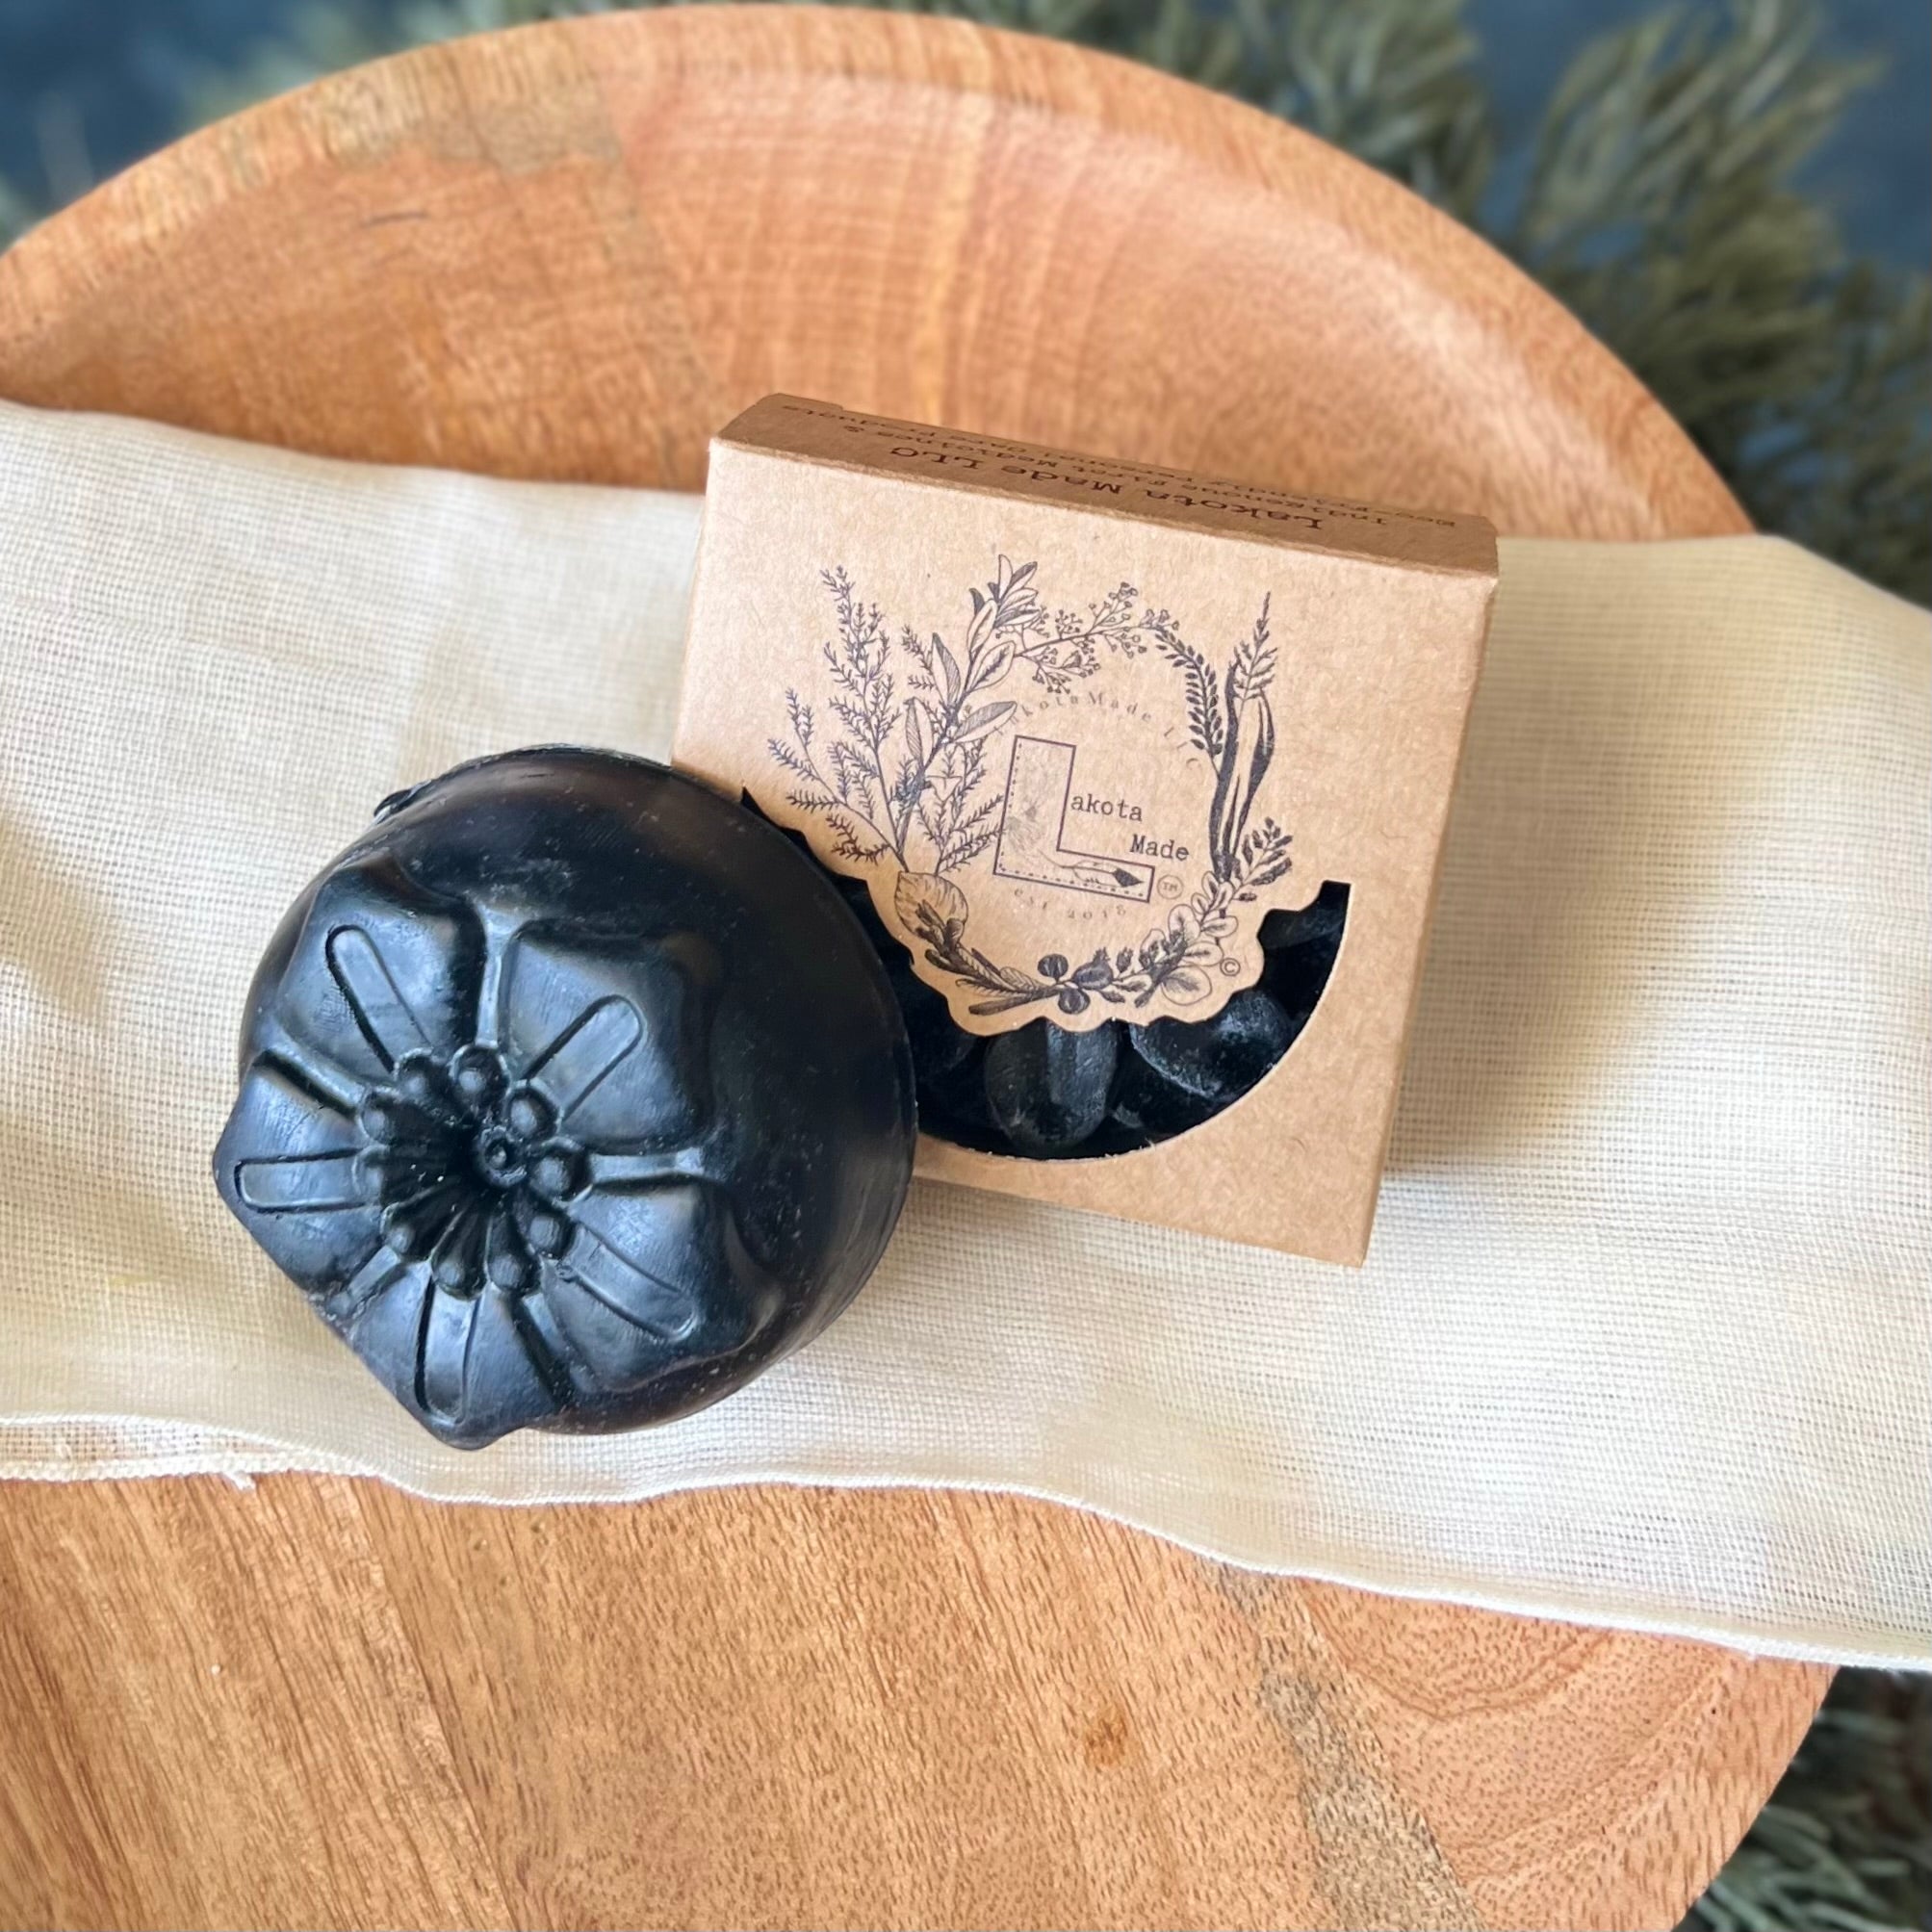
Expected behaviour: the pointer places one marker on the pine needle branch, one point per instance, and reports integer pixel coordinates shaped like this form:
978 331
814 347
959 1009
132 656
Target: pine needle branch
1394 82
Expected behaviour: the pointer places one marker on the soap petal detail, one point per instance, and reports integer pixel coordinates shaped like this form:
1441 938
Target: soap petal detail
288 1163
380 970
657 1271
613 1036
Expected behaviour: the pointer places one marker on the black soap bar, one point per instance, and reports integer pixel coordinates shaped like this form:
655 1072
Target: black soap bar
1047 1088
952 1096
1319 923
1218 1059
1147 1107
572 1096
1299 949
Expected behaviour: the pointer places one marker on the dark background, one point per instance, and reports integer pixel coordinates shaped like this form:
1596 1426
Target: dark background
86 86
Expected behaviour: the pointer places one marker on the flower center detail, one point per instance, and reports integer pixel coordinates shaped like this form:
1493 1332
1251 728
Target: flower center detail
470 1169
500 1155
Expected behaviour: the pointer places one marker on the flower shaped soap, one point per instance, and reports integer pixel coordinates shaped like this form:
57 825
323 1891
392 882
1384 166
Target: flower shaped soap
572 1096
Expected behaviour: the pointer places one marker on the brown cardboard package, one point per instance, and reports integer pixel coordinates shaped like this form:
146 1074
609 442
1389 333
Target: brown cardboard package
1081 726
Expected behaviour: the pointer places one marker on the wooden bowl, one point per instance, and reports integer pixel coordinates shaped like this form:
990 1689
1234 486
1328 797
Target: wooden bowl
573 251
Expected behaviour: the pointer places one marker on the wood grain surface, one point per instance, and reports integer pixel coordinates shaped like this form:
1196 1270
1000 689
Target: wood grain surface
573 251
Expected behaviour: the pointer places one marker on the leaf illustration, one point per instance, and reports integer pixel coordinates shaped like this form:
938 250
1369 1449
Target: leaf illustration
1186 986
1264 747
1244 761
949 668
926 892
1205 728
915 730
1254 668
977 724
994 663
995 974
1006 1002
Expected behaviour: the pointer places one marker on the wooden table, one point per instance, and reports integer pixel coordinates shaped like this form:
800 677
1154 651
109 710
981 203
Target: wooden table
572 251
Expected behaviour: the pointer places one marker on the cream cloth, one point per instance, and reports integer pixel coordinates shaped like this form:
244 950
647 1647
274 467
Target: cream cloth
1645 1338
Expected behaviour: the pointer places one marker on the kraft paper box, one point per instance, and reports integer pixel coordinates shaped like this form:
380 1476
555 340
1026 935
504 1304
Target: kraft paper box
1091 735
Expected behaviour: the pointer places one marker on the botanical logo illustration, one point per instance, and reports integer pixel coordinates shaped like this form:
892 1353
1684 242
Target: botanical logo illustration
903 771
